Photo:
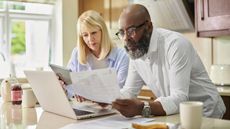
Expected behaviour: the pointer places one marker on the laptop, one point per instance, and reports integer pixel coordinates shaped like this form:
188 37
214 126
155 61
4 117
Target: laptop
62 72
52 97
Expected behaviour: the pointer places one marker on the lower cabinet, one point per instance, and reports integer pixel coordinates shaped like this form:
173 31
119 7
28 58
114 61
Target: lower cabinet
226 100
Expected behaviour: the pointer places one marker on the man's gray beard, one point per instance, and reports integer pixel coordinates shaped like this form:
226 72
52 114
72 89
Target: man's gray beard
137 53
143 46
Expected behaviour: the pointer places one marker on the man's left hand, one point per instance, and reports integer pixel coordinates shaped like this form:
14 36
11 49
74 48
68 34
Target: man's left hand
128 107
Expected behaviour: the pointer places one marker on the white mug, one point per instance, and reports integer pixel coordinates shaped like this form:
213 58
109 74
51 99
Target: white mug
191 113
28 98
29 116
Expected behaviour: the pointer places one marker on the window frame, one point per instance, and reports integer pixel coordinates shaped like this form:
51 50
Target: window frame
6 23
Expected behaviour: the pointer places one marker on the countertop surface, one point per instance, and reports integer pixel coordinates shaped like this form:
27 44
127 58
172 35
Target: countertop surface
17 117
224 90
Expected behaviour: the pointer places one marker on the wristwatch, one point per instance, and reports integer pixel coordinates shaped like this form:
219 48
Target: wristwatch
146 111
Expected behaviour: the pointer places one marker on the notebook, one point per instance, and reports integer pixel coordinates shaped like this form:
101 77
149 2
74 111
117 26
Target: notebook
52 97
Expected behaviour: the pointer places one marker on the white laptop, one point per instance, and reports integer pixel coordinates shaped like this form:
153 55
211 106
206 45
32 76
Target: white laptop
52 97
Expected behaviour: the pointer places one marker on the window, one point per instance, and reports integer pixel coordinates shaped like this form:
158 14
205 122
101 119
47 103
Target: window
26 36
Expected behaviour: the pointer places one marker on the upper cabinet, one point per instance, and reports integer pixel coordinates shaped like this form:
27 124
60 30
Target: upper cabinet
109 9
212 17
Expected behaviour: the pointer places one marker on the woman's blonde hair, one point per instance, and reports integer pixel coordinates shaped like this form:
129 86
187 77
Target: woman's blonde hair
92 19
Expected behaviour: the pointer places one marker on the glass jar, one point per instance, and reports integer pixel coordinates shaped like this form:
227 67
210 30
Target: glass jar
16 92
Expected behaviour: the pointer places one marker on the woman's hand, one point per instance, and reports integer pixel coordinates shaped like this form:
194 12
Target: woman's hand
62 83
103 105
80 98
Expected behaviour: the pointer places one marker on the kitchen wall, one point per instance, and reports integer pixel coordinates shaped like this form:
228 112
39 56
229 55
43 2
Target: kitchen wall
222 50
216 54
69 15
203 48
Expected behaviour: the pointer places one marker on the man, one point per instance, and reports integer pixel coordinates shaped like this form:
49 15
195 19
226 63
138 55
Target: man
167 63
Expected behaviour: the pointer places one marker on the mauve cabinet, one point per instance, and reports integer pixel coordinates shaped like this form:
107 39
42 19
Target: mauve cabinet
212 17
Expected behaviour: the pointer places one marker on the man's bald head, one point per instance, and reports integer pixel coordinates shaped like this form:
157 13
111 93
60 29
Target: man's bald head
135 28
135 12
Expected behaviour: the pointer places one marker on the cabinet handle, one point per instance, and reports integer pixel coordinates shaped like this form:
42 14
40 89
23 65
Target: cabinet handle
202 9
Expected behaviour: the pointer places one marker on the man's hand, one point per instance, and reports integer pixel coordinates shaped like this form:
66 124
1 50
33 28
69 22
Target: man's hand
128 107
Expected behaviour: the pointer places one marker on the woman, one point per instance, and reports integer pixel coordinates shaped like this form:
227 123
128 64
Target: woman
95 49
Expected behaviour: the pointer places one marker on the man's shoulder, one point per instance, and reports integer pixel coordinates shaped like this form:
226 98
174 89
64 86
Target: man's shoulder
168 33
170 36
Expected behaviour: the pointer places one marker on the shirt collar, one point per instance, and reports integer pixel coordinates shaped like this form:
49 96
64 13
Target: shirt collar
153 41
110 58
152 44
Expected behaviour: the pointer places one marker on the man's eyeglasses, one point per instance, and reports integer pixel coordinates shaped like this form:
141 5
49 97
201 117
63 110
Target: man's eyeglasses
131 31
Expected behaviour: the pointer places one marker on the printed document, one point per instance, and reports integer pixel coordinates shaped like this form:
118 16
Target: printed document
97 85
113 122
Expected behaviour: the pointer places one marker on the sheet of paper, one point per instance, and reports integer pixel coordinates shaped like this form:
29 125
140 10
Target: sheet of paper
98 85
112 122
91 107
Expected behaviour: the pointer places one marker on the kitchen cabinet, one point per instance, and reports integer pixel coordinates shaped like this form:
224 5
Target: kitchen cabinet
109 9
226 100
224 92
212 17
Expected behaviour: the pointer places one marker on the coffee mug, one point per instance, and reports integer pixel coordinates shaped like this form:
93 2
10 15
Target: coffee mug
28 98
191 113
29 116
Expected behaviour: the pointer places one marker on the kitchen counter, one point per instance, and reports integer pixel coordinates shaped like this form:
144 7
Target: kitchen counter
21 80
224 90
31 118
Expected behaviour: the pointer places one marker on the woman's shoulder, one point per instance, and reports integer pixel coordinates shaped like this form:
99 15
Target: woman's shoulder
118 50
118 54
75 51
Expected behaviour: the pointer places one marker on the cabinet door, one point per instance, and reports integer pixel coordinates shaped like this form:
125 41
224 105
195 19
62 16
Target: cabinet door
226 100
109 9
212 17
101 6
116 8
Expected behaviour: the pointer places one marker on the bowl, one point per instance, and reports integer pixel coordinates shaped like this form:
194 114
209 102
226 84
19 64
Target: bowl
220 74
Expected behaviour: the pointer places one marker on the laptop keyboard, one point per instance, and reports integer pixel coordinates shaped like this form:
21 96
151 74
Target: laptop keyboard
81 112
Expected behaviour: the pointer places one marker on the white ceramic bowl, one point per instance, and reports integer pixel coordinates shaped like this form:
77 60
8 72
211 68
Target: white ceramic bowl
220 74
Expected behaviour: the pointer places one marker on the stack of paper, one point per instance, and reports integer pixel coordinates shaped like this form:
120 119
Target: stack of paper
98 85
